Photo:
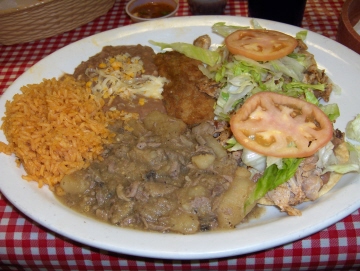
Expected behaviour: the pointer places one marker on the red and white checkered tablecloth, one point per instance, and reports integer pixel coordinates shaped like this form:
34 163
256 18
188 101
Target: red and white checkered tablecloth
25 245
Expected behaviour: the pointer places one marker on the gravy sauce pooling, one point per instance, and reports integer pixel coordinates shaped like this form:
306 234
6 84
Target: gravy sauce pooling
161 176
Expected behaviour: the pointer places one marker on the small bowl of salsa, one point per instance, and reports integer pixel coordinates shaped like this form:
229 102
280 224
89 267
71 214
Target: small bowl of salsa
145 10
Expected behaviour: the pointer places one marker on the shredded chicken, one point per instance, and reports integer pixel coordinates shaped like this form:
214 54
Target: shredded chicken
306 184
313 75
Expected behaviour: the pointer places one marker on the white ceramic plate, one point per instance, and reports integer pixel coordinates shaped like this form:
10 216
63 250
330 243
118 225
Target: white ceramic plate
272 229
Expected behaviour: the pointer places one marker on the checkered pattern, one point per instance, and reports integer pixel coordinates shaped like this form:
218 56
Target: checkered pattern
25 245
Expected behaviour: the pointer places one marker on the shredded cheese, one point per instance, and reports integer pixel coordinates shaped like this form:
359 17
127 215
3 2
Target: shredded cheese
123 75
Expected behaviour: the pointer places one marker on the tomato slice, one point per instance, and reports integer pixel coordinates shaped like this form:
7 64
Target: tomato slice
276 125
260 44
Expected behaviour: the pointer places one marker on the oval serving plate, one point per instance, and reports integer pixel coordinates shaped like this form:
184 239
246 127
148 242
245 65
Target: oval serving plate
270 230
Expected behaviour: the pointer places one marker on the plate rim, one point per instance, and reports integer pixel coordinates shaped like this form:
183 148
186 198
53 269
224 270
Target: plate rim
175 253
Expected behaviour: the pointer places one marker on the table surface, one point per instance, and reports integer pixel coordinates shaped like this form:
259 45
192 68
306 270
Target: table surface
26 245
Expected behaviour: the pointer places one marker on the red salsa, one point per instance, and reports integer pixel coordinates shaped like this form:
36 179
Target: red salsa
152 10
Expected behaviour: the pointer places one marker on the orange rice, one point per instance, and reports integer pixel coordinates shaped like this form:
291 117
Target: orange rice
55 128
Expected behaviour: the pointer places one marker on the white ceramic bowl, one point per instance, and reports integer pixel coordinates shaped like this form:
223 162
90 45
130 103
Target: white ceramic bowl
131 5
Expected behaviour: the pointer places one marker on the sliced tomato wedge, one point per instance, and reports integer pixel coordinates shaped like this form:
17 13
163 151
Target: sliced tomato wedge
276 125
260 44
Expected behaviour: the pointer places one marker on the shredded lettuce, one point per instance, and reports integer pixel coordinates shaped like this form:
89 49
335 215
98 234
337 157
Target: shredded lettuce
331 110
304 86
289 67
343 168
326 156
352 165
272 178
271 160
253 159
255 24
206 56
250 62
311 98
335 88
352 129
297 88
239 79
243 77
225 30
233 145
304 59
301 35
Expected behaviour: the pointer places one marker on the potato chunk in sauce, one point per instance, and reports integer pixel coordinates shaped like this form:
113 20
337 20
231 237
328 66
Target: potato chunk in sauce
152 178
148 179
